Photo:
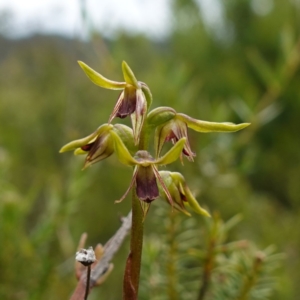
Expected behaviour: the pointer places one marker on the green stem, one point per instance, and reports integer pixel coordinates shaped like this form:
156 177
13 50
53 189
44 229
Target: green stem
133 264
144 137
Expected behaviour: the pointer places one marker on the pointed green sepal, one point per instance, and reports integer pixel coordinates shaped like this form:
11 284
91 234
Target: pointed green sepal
204 126
100 80
138 117
122 152
193 203
173 154
189 199
78 143
129 76
84 141
160 115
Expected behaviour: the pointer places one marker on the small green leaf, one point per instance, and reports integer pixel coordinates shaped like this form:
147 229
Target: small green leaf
100 80
204 126
172 154
129 76
122 152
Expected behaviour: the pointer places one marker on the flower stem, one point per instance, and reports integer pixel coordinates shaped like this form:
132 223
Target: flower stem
133 264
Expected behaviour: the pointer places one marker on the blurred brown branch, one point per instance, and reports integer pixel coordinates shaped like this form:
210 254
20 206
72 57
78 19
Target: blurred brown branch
102 267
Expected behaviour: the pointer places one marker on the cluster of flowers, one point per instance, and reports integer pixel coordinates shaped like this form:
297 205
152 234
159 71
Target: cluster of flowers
130 146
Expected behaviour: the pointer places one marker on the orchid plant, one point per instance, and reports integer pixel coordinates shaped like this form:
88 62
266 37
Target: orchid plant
131 145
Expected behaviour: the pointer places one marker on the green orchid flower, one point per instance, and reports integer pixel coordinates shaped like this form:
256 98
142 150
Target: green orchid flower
100 144
180 193
145 174
172 126
134 99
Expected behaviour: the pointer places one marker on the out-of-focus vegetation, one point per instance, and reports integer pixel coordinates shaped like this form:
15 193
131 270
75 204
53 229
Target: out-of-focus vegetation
243 68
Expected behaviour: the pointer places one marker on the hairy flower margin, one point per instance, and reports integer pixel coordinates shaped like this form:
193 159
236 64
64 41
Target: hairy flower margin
148 183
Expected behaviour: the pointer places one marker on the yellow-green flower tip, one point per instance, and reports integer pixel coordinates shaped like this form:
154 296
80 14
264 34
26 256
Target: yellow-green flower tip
78 143
205 126
122 152
100 80
129 76
173 154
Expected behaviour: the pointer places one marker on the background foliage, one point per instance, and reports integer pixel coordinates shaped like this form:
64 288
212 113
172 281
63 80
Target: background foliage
243 67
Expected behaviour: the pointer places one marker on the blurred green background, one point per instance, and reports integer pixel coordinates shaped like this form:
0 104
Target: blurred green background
242 68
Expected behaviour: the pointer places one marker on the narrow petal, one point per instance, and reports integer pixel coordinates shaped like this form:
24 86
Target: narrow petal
147 93
161 181
100 80
192 201
160 136
137 118
122 152
180 130
117 107
129 76
172 154
204 126
130 185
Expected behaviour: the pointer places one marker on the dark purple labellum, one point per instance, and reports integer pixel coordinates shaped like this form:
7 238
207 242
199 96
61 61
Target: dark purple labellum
128 105
87 147
146 185
183 197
